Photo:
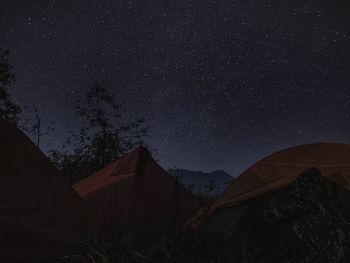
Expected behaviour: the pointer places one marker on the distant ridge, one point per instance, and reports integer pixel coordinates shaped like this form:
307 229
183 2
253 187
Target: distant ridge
199 182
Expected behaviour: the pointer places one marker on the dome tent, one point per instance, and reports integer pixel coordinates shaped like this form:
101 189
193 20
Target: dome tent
135 188
277 171
291 206
41 217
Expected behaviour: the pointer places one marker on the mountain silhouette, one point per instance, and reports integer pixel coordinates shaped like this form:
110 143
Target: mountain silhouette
199 182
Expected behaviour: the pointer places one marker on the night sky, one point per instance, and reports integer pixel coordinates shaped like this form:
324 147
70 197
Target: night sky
221 83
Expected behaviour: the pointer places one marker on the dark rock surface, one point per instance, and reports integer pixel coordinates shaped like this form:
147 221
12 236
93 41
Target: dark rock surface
298 223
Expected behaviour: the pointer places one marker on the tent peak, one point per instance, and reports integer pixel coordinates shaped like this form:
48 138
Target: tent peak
132 163
141 148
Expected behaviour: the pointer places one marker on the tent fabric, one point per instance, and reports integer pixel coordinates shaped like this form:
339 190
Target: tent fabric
282 168
133 188
41 217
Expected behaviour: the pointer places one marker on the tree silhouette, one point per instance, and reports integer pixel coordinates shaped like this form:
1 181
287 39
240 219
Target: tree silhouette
9 111
35 126
103 137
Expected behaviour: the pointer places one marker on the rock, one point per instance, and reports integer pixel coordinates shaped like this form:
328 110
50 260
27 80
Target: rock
299 222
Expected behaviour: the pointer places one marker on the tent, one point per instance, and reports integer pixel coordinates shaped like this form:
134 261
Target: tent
275 172
135 188
41 217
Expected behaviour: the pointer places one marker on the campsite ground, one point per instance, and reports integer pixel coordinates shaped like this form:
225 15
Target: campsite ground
163 244
157 243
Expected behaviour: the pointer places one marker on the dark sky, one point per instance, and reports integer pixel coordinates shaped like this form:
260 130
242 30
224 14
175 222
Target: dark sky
221 83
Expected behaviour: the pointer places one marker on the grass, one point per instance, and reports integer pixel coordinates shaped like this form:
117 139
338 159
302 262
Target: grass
156 243
159 243
147 243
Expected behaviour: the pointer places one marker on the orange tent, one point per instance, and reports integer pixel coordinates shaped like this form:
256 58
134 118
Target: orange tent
41 217
132 188
282 168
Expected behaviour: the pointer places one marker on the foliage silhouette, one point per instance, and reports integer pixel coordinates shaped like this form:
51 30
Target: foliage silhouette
9 110
103 137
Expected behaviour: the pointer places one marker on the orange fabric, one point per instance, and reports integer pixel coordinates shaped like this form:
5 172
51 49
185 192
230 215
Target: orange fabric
134 187
40 214
282 168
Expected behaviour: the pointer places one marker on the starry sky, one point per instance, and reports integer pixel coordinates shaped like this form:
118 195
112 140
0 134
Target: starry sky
222 83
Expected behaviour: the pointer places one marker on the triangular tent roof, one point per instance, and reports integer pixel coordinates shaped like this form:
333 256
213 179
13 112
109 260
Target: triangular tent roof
40 214
282 168
134 187
128 166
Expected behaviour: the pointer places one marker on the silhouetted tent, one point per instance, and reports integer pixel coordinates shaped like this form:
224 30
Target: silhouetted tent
272 173
41 217
135 188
